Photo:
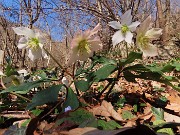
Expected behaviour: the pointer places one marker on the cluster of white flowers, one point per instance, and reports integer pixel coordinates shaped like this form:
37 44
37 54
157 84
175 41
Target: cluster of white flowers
144 33
85 43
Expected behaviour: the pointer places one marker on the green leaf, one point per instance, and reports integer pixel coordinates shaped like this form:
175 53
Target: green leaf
25 87
169 131
26 122
176 65
82 85
71 100
127 115
130 77
158 113
102 60
168 68
77 117
36 112
132 56
109 125
102 73
45 96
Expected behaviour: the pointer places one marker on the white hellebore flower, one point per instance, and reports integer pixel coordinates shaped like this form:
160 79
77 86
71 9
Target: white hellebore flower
84 44
144 37
124 28
31 41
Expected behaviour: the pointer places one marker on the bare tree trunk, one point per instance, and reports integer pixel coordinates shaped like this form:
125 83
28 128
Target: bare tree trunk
162 20
167 23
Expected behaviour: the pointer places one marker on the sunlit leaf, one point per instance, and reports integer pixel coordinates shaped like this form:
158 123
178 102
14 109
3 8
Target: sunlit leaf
158 113
25 87
109 125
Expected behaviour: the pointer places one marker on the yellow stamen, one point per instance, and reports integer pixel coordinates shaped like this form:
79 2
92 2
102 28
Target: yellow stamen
33 43
124 28
143 40
83 46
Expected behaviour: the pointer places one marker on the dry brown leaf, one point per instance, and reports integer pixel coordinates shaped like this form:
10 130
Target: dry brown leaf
147 112
171 118
106 109
173 106
16 114
130 123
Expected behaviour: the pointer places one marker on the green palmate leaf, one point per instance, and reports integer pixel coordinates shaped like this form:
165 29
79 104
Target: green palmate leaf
137 67
25 87
110 125
168 68
71 100
45 96
132 56
158 113
149 73
102 60
102 73
130 77
78 117
169 131
176 65
82 85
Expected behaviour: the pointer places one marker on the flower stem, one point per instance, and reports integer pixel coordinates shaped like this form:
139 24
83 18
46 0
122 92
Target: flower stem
18 95
57 62
126 49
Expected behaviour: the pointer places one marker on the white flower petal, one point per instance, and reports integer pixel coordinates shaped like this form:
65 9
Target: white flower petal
35 54
21 46
154 33
24 31
126 18
115 24
23 40
117 37
145 25
128 37
40 38
133 25
95 30
149 50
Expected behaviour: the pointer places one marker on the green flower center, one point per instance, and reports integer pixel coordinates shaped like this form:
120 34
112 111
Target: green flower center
83 46
124 28
33 43
143 41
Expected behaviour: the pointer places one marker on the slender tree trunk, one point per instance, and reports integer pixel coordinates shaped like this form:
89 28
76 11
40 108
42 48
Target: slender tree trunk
163 19
167 23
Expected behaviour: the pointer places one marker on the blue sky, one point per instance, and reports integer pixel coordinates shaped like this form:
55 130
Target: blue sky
56 27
